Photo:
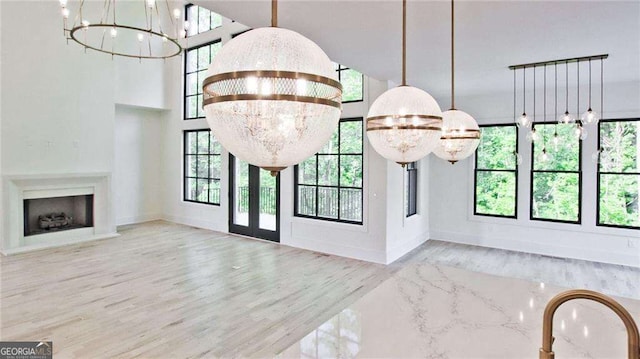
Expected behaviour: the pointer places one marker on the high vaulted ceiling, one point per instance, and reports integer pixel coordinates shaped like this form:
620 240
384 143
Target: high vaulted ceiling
490 35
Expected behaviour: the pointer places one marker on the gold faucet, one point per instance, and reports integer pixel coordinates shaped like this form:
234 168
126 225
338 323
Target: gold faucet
547 325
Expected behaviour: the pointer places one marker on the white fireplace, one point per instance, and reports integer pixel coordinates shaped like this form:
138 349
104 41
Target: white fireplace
51 210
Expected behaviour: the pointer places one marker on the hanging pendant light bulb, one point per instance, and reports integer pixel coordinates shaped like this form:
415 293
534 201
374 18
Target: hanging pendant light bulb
271 97
580 132
533 135
460 132
590 116
545 156
524 121
404 123
566 117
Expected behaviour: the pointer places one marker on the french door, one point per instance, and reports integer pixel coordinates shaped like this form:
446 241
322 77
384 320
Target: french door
254 208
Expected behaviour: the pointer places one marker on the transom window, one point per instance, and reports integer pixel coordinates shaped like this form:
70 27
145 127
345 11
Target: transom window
328 185
411 186
202 167
496 172
201 19
196 63
619 173
352 83
555 182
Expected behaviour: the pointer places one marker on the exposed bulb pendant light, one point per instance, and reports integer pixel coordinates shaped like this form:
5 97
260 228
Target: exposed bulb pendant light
271 97
460 132
566 117
404 124
533 135
556 138
545 156
523 121
590 116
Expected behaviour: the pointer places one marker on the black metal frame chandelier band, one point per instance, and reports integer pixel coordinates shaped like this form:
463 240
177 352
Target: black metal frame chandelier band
157 40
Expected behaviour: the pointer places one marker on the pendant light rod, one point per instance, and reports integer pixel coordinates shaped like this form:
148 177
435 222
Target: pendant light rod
404 42
453 83
274 13
561 61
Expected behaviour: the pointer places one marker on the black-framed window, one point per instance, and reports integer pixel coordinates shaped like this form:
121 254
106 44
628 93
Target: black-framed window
197 60
411 188
556 193
619 173
201 19
352 84
202 167
328 185
496 172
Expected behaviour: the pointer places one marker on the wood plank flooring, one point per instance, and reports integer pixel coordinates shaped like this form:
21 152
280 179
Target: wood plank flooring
163 290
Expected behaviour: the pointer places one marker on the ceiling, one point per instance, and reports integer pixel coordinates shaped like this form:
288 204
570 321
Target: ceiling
490 35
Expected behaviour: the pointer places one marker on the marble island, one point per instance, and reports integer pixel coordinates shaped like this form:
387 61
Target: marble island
434 311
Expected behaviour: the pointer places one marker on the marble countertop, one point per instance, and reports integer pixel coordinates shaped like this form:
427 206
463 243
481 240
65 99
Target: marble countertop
431 311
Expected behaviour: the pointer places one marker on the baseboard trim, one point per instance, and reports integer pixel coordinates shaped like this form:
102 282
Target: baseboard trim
402 249
340 250
198 223
138 219
517 245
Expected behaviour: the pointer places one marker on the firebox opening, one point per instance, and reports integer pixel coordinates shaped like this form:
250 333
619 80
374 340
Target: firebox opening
46 215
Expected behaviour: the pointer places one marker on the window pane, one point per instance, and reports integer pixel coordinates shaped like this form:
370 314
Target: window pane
350 137
328 170
204 20
351 171
190 190
351 204
351 85
200 108
214 191
497 147
215 48
619 203
331 146
215 167
203 57
307 171
565 156
203 142
556 196
202 191
307 200
496 193
620 146
191 107
192 143
202 75
192 60
215 146
203 166
216 20
191 166
192 84
328 202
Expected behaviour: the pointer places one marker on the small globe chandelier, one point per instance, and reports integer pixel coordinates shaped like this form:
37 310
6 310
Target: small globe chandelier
271 97
460 132
404 124
102 32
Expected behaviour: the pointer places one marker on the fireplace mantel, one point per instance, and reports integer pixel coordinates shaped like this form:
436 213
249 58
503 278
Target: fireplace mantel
17 188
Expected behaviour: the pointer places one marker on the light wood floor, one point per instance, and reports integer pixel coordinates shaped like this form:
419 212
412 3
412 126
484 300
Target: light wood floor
163 290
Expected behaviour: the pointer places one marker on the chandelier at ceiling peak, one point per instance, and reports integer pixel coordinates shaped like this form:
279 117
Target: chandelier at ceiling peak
271 97
460 131
404 123
104 30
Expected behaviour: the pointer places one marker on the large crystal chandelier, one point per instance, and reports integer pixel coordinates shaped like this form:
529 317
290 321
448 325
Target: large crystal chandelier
460 132
404 123
271 97
105 31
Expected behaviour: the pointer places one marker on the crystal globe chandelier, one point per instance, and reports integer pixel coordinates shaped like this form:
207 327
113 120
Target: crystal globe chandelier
404 124
271 97
460 132
102 31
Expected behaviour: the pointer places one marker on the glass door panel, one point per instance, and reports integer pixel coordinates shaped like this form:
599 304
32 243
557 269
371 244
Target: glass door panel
255 206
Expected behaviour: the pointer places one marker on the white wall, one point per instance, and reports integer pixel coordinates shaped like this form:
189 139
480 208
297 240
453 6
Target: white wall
451 190
137 176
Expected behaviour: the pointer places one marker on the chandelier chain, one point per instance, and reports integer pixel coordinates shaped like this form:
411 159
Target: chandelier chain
404 42
453 82
274 13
